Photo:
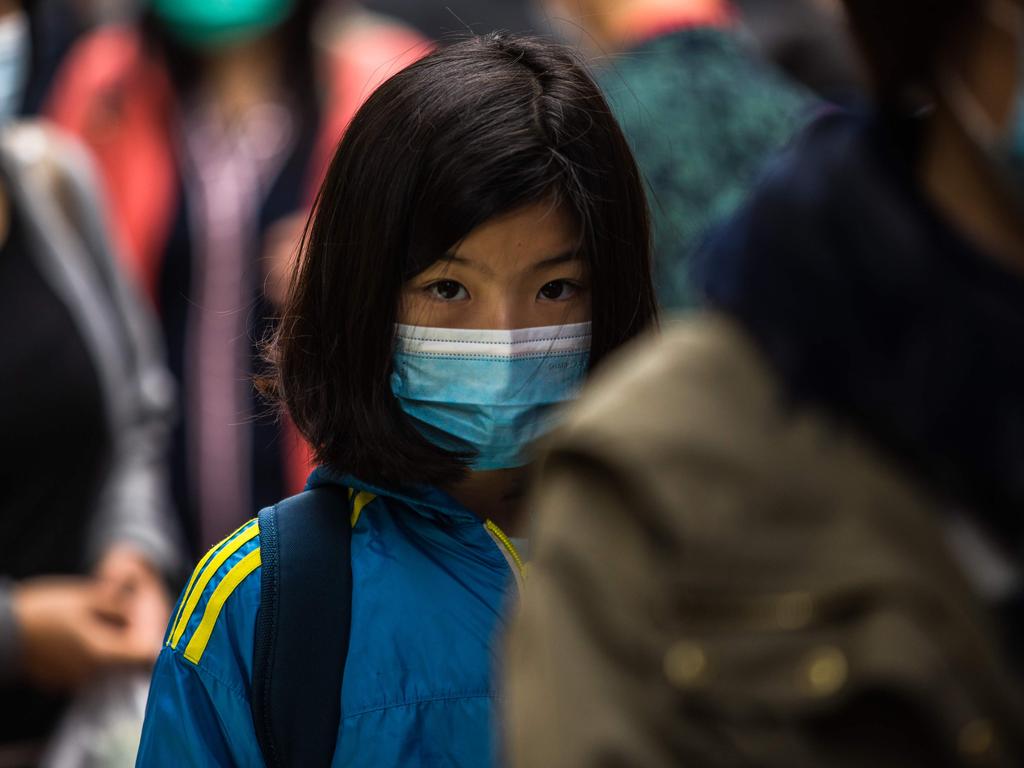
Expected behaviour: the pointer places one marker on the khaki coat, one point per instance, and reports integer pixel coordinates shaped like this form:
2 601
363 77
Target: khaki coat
722 578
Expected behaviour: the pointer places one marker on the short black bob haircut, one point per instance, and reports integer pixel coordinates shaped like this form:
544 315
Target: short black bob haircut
476 129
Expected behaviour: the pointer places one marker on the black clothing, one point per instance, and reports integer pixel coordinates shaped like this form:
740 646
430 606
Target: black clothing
55 436
906 329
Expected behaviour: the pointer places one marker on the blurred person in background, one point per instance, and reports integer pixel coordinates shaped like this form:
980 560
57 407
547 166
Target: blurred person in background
440 19
86 529
481 242
56 25
788 532
701 109
212 124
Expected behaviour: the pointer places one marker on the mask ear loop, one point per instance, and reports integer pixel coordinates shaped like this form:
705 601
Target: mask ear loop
978 124
975 121
1007 15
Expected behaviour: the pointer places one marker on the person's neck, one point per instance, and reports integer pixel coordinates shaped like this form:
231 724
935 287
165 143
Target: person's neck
959 180
243 76
495 496
624 21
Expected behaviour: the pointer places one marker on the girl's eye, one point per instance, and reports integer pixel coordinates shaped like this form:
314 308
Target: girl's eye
558 290
448 290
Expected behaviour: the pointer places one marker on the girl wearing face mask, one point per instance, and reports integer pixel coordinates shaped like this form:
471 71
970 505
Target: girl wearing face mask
480 244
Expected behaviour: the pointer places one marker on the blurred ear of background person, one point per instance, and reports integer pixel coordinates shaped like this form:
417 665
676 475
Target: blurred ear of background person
212 124
702 108
809 41
87 536
788 531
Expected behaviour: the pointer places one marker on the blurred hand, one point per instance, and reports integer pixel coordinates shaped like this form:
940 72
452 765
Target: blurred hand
70 632
135 593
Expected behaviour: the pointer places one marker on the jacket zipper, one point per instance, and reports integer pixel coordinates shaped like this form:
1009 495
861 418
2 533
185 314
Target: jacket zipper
509 550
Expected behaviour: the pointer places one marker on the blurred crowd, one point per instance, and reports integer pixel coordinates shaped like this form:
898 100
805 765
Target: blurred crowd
783 531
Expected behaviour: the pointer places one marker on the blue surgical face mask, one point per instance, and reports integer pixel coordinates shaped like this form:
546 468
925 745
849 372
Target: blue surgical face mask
15 52
492 393
1004 147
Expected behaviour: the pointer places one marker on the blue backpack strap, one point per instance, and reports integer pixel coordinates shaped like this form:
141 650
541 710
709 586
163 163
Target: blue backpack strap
303 627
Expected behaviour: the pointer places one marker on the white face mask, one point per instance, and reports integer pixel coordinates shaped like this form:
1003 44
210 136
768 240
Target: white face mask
15 53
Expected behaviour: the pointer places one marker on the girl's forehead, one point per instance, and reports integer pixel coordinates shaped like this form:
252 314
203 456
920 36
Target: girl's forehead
534 236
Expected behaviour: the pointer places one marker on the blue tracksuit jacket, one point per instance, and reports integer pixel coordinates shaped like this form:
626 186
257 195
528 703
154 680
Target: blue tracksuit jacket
430 582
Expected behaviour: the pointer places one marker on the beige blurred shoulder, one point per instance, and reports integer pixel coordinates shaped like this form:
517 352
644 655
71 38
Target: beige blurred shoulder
699 400
764 556
698 388
673 367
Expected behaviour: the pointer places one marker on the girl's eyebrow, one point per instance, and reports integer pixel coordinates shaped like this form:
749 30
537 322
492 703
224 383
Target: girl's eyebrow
478 266
554 261
551 261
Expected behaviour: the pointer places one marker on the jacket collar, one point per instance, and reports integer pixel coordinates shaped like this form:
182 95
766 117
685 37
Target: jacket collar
426 500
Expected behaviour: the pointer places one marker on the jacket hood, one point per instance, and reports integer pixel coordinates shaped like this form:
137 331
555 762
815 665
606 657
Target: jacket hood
865 300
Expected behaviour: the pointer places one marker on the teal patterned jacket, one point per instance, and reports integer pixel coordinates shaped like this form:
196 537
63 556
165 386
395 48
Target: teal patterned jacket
703 113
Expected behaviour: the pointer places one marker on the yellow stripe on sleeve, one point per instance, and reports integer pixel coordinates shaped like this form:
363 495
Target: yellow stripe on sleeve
199 570
197 645
218 560
362 499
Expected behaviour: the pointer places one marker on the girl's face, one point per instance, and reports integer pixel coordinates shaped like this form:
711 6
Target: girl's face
519 270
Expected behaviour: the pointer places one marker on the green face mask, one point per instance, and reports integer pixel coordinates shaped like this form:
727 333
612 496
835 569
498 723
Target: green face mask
212 24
